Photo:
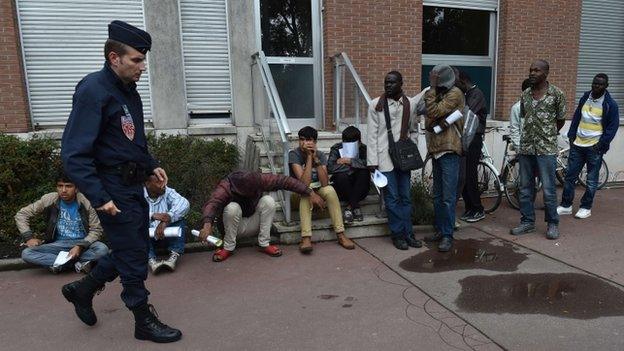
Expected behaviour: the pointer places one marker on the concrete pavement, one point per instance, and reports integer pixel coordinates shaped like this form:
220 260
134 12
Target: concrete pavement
493 292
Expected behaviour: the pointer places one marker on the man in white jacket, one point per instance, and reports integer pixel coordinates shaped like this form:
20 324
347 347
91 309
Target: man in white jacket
397 192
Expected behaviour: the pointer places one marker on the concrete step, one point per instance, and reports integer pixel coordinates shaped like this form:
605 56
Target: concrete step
325 140
369 207
322 230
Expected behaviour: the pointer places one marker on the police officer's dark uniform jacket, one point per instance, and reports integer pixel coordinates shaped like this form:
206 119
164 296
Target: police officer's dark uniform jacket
104 151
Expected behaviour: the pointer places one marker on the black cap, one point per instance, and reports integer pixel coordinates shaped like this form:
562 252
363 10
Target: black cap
130 35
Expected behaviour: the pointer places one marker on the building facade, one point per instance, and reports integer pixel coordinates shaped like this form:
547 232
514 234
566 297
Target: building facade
200 78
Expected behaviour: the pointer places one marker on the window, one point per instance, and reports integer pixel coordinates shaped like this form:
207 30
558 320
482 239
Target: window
463 38
450 31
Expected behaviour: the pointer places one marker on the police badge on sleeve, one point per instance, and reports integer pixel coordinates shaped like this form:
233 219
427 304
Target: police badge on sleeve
127 124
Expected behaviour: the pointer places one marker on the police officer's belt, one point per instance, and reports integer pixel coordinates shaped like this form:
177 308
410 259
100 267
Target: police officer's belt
130 172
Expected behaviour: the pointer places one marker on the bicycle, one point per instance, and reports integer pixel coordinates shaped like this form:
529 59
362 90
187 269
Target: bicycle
488 179
562 165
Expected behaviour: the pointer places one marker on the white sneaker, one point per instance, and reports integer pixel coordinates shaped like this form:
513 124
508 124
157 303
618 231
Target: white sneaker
154 265
583 213
564 210
171 261
83 268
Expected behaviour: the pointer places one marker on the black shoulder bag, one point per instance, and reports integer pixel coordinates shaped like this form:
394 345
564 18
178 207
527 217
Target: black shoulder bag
403 153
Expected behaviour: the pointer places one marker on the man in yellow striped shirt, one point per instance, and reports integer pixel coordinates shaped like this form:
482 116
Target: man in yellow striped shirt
593 127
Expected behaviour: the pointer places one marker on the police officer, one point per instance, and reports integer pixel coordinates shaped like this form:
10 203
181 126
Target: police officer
104 151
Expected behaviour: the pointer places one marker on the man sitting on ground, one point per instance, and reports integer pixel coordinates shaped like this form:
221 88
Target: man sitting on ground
246 210
72 225
167 208
310 166
350 175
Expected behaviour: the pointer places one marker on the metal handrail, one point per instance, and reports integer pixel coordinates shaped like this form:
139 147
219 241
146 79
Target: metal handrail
279 115
342 65
342 62
272 93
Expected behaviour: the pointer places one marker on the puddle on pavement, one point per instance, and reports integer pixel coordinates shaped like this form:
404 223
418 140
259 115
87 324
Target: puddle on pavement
327 297
490 254
567 295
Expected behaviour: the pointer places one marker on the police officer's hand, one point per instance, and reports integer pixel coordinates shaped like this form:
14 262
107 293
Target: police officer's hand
33 242
163 217
160 230
316 200
162 177
205 231
75 252
109 208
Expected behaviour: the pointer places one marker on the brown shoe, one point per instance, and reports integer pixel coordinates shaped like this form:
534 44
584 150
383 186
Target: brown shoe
345 242
306 245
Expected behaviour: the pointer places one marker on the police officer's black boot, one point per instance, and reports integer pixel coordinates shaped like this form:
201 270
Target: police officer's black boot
148 327
81 293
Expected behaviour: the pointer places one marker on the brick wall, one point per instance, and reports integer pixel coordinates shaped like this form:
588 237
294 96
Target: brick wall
378 37
537 29
14 115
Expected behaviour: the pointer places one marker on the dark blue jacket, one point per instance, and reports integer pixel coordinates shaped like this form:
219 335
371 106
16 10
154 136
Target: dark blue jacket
610 121
94 137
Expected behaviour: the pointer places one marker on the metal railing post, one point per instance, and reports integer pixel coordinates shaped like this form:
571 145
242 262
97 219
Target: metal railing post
357 108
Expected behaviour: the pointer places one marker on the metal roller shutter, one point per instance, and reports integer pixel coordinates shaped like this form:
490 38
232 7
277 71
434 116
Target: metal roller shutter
601 48
489 5
62 41
206 56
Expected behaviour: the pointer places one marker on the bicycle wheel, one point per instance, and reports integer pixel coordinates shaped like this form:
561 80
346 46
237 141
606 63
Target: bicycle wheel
562 166
427 174
603 176
488 186
511 183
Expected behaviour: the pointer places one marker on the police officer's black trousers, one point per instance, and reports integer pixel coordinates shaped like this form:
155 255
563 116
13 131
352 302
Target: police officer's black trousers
127 233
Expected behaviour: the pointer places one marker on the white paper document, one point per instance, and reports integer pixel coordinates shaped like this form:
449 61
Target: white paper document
62 258
349 150
211 239
452 118
170 232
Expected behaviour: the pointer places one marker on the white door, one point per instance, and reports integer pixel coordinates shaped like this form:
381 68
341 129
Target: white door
290 36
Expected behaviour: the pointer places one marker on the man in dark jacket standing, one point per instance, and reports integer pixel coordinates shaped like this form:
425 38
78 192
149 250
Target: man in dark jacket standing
475 100
104 152
595 122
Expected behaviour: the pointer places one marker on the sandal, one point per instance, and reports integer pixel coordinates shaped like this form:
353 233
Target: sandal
221 255
271 250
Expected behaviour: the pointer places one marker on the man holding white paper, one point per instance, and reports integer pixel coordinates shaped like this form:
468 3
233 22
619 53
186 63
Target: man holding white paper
167 226
442 101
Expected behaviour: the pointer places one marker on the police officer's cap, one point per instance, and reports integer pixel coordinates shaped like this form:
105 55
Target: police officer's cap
130 35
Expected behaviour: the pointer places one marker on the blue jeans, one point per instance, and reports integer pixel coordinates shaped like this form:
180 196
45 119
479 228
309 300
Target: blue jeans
174 244
398 203
579 156
545 166
445 178
45 254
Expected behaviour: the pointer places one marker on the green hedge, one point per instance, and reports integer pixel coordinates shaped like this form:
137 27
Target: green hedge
28 169
194 167
422 204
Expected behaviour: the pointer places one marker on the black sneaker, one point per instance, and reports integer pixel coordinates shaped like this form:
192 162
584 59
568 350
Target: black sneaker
413 242
400 243
465 215
347 215
475 217
357 215
446 244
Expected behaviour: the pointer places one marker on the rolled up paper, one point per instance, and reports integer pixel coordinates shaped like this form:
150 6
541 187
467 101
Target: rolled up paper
452 118
211 239
170 232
